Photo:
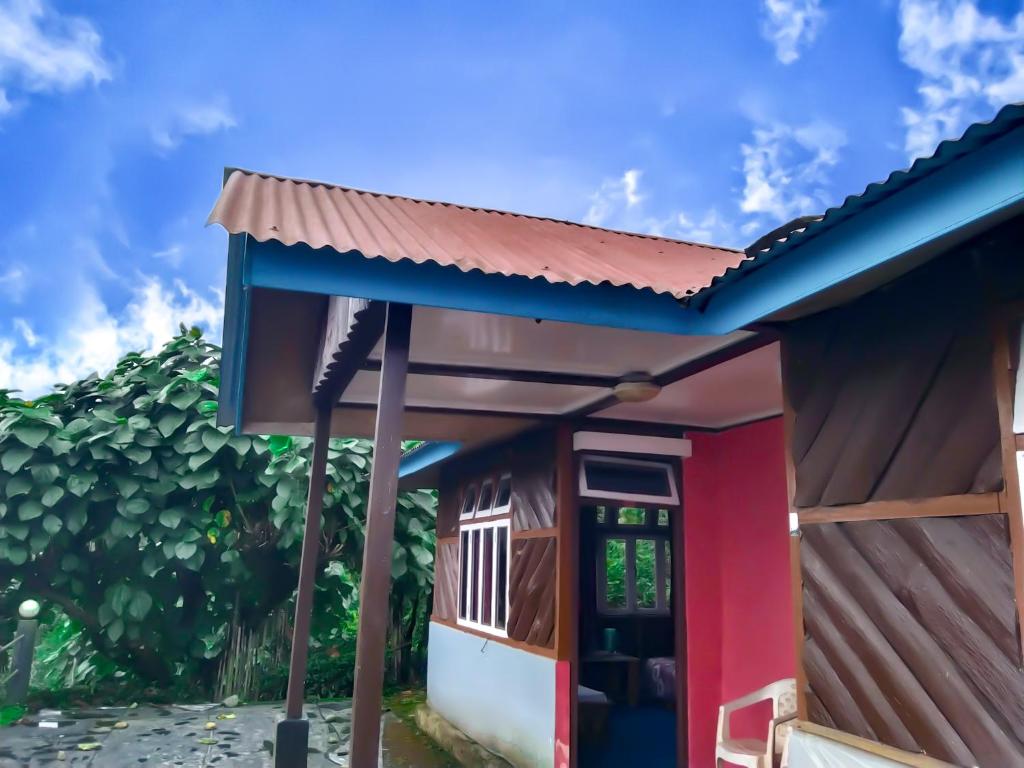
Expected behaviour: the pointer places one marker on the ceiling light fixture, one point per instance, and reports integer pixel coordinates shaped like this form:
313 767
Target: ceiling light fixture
636 388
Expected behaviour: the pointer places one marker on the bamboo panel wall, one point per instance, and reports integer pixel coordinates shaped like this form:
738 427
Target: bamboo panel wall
892 398
911 635
446 580
532 591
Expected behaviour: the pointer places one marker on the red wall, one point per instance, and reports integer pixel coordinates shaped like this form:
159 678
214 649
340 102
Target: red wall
738 600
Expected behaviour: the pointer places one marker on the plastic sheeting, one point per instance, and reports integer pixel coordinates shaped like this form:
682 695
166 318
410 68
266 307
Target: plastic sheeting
806 750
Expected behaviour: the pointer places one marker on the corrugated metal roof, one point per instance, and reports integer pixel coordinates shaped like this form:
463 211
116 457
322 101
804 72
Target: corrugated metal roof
976 135
494 242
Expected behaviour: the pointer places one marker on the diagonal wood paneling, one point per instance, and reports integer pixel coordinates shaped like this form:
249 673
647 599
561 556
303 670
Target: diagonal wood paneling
910 635
532 591
892 397
533 497
446 579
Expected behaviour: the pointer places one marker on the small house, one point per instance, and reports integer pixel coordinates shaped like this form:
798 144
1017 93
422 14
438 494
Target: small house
668 474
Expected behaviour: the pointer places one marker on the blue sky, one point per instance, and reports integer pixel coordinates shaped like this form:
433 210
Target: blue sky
709 121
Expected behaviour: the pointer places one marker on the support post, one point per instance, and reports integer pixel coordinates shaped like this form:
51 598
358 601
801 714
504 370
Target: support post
22 651
292 736
380 532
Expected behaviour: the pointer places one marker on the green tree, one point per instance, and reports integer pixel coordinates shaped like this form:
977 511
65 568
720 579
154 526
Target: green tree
125 505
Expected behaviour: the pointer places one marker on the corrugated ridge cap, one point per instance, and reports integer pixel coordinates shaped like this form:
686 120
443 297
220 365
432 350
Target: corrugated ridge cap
1008 118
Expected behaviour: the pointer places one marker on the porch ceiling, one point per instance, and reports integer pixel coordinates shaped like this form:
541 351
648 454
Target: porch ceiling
476 377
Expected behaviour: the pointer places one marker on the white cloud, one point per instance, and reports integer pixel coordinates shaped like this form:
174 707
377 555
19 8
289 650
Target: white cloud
93 338
785 168
173 255
791 25
613 194
194 120
42 51
13 281
970 63
22 326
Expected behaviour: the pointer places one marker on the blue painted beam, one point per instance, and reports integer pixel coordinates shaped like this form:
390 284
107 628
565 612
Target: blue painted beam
301 268
230 347
425 455
979 184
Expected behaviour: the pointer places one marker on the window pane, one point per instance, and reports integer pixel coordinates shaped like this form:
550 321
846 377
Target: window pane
602 515
500 587
486 575
504 493
646 479
474 602
469 501
464 568
486 496
646 581
615 573
632 516
663 518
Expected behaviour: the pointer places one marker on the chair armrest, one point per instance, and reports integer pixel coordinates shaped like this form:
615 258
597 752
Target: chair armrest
723 725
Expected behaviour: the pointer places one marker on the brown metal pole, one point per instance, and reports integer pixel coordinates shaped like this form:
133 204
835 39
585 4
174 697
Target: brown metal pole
293 732
380 534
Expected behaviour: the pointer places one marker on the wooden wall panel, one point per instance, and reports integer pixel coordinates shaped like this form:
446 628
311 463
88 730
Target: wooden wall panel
892 394
446 579
533 497
911 636
532 591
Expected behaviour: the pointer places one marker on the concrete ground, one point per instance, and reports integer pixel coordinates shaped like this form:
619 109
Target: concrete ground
173 736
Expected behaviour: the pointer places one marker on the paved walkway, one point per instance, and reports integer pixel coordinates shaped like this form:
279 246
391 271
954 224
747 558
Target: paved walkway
169 737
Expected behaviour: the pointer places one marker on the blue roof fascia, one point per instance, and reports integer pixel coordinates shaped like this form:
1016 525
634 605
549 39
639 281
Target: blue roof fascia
228 393
298 267
976 185
425 455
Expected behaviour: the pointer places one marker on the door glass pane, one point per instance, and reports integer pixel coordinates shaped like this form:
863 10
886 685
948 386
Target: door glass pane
486 575
464 570
663 518
474 602
668 574
646 584
632 516
601 515
501 578
615 573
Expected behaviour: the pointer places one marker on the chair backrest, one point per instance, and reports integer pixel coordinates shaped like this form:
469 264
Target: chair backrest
784 698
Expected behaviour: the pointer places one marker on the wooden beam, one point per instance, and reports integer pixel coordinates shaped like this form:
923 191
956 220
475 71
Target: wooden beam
678 550
292 734
1010 498
352 328
568 586
940 506
380 533
307 565
796 583
556 378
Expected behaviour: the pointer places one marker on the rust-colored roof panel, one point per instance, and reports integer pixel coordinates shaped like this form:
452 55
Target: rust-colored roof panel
494 242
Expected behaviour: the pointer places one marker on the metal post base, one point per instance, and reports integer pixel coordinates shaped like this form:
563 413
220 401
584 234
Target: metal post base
291 743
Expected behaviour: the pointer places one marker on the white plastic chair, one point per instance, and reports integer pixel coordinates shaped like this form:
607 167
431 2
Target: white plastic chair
754 753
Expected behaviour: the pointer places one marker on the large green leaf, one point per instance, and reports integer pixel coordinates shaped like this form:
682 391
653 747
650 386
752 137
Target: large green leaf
13 458
170 422
45 473
214 439
29 510
31 434
52 524
18 485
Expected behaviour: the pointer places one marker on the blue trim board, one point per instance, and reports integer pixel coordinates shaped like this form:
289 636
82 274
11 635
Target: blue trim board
424 455
232 316
301 268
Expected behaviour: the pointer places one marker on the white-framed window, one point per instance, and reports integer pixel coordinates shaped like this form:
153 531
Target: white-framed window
468 508
634 573
635 480
483 576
